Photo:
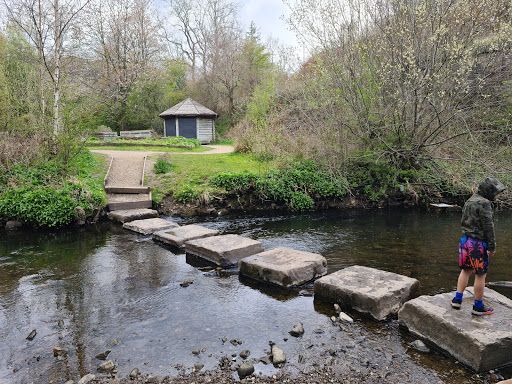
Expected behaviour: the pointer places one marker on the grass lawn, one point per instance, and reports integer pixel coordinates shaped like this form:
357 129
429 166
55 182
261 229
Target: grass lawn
189 174
149 149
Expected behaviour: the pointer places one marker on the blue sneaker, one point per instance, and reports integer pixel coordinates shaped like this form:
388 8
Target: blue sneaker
456 303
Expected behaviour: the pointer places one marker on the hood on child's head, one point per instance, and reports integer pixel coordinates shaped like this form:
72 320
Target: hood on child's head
490 187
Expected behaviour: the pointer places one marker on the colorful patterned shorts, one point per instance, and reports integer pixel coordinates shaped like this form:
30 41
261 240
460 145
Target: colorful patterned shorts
473 255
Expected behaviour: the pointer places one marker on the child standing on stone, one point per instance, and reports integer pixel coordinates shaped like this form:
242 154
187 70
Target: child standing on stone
477 243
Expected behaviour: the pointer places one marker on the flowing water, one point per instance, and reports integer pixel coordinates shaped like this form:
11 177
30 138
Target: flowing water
103 287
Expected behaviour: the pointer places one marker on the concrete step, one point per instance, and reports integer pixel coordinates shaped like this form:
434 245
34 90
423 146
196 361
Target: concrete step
126 201
481 343
125 216
127 190
149 226
370 291
284 267
179 236
224 250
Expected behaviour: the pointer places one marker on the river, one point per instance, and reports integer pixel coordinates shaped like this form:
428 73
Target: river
102 287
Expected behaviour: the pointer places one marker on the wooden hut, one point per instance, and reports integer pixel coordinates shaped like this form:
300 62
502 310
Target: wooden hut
191 120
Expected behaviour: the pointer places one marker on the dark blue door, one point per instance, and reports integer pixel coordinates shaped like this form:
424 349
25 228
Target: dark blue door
187 127
170 126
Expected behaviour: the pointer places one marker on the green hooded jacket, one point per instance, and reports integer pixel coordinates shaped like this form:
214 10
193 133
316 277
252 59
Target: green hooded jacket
477 215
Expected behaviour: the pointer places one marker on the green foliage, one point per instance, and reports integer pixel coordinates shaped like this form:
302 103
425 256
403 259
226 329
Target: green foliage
46 195
162 165
298 186
186 194
377 180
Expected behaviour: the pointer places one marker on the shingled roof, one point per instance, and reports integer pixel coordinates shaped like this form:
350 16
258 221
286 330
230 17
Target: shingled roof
188 107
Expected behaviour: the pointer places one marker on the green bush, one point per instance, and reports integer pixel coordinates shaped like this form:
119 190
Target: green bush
46 194
298 186
162 166
185 194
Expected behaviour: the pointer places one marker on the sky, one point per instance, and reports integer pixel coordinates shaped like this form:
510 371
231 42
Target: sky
268 17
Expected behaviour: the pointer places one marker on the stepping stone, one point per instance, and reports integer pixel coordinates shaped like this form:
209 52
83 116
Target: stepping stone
285 267
178 236
149 226
132 214
481 343
224 250
373 292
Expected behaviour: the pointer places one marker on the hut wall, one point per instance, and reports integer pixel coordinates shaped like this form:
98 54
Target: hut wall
205 129
170 126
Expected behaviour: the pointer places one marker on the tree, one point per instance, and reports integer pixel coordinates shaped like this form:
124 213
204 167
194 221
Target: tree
46 24
124 38
405 77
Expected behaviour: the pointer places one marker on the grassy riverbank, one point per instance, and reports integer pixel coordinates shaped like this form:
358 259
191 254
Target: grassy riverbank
240 181
54 193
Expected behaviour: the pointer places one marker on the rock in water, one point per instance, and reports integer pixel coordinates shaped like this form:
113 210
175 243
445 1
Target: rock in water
32 335
103 355
298 330
107 366
59 351
419 345
245 354
245 369
134 373
87 379
337 308
344 317
278 356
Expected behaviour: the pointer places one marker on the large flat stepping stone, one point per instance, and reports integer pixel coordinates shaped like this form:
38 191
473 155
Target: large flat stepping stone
285 267
149 226
224 250
126 216
481 343
373 292
178 236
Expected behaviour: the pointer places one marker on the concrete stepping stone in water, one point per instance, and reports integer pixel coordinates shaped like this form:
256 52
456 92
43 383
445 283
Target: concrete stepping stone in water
178 236
481 343
373 292
149 226
224 250
285 267
125 216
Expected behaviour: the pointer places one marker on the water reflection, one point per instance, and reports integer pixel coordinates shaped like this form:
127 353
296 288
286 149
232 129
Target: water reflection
83 289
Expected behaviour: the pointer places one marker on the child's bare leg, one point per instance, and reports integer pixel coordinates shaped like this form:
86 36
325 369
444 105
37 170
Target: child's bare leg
479 286
462 283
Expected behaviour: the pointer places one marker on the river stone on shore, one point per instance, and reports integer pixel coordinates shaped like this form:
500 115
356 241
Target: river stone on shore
87 379
125 216
481 343
245 369
149 226
278 356
178 236
223 250
370 291
13 225
283 266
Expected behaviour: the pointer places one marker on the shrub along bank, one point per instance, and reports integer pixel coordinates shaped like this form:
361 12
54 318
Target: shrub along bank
53 194
235 182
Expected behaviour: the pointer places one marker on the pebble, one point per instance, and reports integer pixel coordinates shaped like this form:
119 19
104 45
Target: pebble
298 330
278 356
420 346
87 379
113 343
245 354
59 351
198 367
196 352
103 355
186 283
32 335
337 308
245 369
344 317
107 366
134 373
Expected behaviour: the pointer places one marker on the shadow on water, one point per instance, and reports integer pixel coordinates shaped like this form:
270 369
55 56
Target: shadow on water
103 287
